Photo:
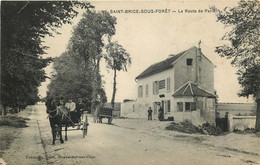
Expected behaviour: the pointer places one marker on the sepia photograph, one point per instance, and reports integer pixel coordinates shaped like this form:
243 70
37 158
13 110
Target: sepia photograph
130 82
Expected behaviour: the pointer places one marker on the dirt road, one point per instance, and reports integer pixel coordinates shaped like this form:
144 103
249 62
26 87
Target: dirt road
127 141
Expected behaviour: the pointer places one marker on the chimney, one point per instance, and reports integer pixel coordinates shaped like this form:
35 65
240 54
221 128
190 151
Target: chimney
198 64
199 51
170 56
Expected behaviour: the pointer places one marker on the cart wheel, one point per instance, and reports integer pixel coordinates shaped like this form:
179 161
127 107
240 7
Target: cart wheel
85 126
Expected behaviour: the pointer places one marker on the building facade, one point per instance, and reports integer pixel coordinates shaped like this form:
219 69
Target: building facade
182 85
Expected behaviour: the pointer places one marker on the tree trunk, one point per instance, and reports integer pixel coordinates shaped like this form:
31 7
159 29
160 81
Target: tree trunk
95 86
114 91
257 124
93 95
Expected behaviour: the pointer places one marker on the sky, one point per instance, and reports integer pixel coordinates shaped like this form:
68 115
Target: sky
150 37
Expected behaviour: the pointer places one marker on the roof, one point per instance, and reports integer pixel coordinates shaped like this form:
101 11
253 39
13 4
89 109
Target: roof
165 64
160 66
190 89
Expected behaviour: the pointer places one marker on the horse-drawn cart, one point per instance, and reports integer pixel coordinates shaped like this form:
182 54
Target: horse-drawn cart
62 117
105 113
73 121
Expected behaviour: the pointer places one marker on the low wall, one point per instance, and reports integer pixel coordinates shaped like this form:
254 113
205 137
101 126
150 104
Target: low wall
235 109
240 122
193 117
128 109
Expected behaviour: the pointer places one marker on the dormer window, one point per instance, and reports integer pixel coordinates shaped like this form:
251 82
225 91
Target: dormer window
189 61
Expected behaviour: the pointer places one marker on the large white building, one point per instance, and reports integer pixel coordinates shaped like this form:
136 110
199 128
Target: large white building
182 85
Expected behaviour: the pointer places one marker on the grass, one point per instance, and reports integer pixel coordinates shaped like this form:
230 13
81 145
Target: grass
14 121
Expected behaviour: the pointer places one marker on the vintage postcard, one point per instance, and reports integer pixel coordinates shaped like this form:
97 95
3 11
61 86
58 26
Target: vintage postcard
128 82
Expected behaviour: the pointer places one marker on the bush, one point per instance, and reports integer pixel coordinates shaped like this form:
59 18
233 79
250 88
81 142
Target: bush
187 127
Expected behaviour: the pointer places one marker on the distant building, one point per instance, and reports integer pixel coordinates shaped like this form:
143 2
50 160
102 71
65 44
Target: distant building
182 84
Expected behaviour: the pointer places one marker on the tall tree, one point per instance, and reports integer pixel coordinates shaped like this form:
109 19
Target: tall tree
24 24
70 78
117 59
88 41
243 47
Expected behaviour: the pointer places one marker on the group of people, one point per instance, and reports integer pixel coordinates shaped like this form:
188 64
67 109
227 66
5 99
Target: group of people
75 110
160 114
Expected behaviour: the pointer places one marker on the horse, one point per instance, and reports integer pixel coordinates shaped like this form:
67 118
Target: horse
55 119
65 118
60 116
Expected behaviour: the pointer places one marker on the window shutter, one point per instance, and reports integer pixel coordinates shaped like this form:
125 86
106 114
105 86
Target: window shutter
180 106
141 91
157 87
154 87
169 105
168 84
138 91
146 90
162 84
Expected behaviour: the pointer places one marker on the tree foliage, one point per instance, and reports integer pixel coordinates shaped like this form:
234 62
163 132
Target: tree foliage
244 43
24 24
244 47
77 70
117 59
70 79
88 41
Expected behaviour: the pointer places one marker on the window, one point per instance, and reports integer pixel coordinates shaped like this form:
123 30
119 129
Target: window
210 103
187 106
146 90
155 87
189 62
193 106
180 106
140 91
168 84
168 106
162 84
190 106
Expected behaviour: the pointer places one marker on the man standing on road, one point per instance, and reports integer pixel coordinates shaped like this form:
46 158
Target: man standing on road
150 111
